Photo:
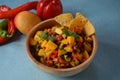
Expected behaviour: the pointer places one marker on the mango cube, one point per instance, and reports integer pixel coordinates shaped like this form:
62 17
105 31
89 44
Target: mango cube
37 36
44 43
41 52
48 52
51 45
58 31
65 41
61 52
71 40
33 42
68 49
85 54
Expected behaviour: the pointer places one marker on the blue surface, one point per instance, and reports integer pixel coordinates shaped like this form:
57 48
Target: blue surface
105 16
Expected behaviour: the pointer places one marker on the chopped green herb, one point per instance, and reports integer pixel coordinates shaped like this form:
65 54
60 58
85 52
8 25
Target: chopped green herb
50 38
78 50
44 35
68 33
67 58
55 62
75 35
37 47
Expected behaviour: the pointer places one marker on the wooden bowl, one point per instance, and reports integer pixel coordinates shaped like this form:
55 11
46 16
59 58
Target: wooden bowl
54 71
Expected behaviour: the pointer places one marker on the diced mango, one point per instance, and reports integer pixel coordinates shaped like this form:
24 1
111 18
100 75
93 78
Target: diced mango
79 56
61 52
81 39
64 41
51 45
58 31
89 39
68 49
87 47
76 62
33 42
41 52
48 52
71 40
85 54
72 63
44 43
37 36
38 33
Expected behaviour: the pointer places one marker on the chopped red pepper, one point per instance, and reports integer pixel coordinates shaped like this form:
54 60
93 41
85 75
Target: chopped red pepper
11 26
11 13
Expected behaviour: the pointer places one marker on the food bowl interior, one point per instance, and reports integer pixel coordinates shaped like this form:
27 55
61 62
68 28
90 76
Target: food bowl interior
54 71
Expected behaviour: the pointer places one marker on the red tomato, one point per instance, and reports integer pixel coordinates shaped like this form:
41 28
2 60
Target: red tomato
54 54
59 38
74 56
80 44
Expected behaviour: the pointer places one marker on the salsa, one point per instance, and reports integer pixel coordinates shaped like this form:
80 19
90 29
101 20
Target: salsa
60 47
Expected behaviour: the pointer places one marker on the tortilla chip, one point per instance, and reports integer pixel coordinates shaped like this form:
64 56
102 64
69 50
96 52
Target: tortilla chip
81 17
89 28
64 19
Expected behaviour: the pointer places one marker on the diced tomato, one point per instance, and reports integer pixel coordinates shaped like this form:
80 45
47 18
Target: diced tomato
60 60
45 58
54 54
80 44
59 38
56 59
74 56
76 29
49 62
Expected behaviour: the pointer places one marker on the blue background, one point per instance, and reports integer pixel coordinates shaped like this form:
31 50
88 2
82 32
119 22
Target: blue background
105 16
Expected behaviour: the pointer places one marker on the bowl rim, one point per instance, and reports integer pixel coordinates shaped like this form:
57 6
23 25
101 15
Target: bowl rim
40 65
